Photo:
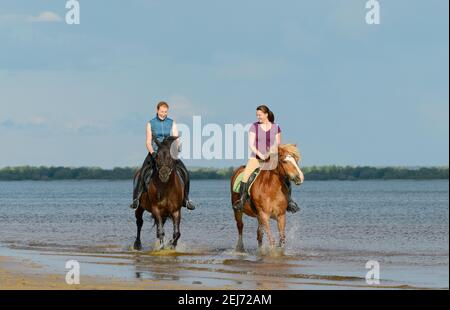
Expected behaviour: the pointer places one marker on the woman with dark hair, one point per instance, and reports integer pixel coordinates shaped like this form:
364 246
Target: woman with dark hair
264 137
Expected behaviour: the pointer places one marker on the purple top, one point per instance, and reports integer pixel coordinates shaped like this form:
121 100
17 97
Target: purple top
264 139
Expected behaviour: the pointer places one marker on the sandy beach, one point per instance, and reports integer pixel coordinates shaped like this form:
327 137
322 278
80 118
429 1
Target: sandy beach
24 270
20 274
41 270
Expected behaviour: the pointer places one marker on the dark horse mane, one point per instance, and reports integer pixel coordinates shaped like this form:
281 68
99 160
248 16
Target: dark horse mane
166 142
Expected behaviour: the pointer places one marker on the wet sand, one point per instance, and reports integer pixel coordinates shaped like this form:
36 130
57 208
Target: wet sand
20 274
169 270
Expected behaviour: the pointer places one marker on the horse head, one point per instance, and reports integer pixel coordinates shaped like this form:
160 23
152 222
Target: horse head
288 158
165 158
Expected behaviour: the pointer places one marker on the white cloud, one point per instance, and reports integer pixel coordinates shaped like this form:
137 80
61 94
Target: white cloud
33 123
43 17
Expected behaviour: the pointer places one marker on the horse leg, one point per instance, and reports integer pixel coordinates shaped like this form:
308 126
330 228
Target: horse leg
160 231
176 219
139 222
240 227
281 230
265 220
260 234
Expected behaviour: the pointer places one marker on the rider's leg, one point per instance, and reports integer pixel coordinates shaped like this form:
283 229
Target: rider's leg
136 184
251 166
186 203
292 205
139 184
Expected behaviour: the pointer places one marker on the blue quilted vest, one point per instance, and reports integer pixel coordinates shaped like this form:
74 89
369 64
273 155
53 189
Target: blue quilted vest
160 129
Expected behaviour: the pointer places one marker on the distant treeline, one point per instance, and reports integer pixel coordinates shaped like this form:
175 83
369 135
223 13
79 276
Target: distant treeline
311 173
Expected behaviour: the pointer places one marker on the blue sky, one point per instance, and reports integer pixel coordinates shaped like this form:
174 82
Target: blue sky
344 91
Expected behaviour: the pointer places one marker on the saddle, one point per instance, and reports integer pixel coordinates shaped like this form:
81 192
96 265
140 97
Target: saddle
251 180
147 175
148 172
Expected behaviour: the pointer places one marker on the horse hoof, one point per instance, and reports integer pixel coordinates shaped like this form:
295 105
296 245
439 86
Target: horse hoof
262 251
240 249
172 246
293 208
137 246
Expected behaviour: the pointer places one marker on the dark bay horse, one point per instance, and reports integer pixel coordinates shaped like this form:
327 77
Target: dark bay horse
164 195
269 195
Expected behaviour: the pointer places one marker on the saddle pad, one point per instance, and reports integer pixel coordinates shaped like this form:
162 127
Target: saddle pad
238 180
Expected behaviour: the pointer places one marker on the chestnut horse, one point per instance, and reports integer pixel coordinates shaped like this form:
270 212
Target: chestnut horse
268 195
164 195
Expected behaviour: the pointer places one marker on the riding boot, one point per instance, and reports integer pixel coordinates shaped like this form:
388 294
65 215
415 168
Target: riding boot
139 185
187 203
292 205
137 191
243 192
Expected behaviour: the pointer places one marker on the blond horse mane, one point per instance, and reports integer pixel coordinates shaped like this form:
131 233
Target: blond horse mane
290 149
